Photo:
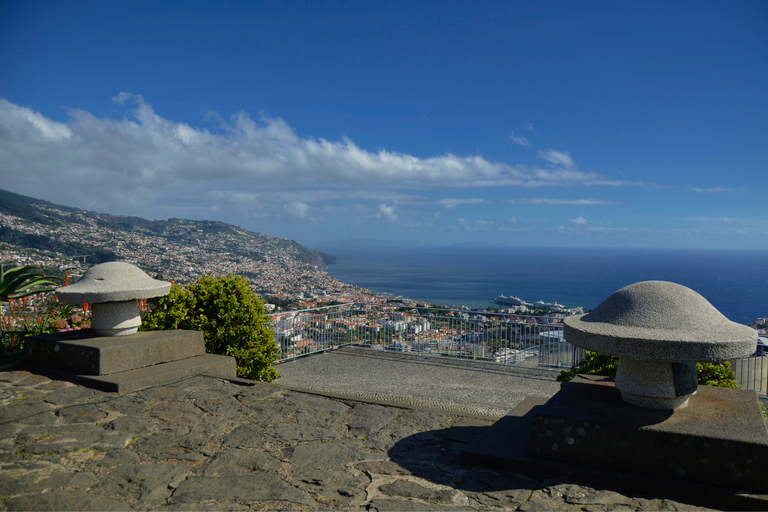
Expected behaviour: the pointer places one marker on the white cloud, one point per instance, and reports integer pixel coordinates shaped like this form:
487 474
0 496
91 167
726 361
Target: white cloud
242 168
453 203
530 128
473 226
22 123
387 212
559 202
717 190
519 140
579 220
144 149
625 183
562 158
296 211
720 220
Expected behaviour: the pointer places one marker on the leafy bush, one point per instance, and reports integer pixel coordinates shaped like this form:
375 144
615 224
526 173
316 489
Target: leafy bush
592 364
716 374
230 316
708 374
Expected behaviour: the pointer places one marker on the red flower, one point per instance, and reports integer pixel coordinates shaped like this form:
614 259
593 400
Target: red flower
85 307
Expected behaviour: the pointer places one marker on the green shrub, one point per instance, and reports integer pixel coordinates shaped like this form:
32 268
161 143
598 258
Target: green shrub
592 364
708 374
716 374
230 316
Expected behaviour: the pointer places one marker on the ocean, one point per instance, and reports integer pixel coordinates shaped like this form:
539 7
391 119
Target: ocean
735 282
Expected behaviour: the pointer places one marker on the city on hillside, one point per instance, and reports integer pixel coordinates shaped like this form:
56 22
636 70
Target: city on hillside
289 277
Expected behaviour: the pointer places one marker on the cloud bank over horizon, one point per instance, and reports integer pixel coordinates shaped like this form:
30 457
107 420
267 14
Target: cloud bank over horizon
155 151
261 172
143 159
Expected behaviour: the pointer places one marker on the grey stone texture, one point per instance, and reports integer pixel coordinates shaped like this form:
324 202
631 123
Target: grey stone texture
204 443
660 321
124 363
650 384
113 289
121 318
100 355
115 281
428 382
651 326
709 452
719 439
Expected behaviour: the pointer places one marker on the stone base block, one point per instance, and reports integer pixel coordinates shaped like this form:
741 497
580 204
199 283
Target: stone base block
165 373
719 438
86 353
713 452
220 366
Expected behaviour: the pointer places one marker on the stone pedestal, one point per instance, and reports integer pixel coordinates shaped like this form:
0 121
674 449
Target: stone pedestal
658 330
656 385
113 290
654 431
714 451
124 363
116 318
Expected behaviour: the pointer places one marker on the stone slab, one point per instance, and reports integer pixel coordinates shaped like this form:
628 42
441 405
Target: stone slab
721 438
165 373
173 427
84 353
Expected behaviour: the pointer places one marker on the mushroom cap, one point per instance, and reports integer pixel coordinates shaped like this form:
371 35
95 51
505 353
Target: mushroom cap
660 321
112 282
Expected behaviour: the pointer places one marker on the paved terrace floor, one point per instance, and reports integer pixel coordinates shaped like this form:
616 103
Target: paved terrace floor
205 443
428 382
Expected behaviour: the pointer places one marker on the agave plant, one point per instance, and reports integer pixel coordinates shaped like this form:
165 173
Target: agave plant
21 282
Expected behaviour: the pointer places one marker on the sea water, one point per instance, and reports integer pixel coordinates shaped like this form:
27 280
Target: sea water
735 282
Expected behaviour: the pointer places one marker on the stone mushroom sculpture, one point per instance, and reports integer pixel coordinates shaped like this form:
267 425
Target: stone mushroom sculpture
659 331
113 289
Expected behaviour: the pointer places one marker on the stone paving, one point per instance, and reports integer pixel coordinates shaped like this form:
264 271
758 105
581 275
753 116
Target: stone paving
209 444
446 384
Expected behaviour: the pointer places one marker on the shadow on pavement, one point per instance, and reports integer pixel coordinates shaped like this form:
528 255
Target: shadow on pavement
435 456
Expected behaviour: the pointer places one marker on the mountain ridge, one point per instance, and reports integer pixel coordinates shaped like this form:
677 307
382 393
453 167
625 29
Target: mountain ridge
177 245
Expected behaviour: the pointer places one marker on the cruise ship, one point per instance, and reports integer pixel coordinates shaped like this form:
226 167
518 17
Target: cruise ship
510 301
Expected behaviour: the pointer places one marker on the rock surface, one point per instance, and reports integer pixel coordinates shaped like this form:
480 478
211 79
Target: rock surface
209 444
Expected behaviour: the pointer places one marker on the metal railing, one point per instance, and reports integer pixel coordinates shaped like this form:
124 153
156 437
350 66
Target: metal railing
504 338
752 373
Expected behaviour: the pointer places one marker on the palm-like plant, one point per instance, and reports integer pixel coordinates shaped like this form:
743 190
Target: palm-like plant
21 282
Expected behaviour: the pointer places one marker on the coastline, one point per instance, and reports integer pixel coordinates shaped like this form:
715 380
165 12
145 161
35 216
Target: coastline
735 282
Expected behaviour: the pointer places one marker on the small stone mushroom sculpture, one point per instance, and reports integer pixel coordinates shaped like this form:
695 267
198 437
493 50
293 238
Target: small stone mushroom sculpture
659 331
113 289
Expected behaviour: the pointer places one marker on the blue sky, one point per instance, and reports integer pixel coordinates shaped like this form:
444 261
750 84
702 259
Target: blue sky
603 124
